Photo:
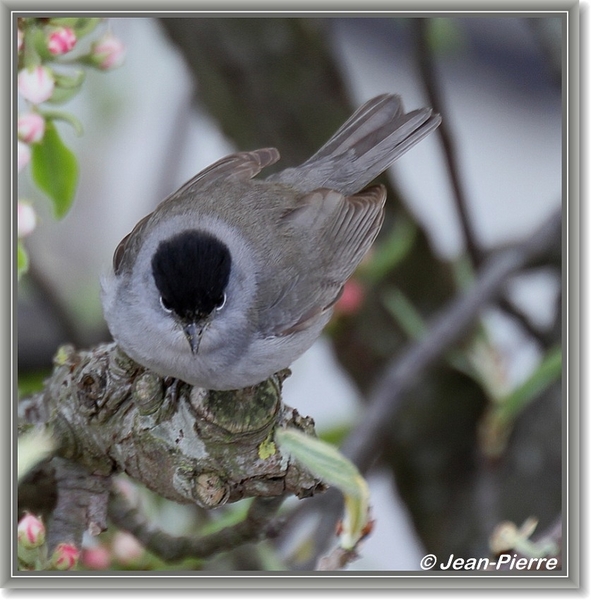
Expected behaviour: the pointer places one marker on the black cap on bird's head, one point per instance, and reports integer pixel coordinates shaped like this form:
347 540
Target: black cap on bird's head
191 271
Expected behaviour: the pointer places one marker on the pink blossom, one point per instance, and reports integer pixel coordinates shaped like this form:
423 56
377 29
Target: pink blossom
97 558
36 85
20 39
23 155
127 489
31 532
61 40
65 557
352 299
126 547
31 127
108 52
27 218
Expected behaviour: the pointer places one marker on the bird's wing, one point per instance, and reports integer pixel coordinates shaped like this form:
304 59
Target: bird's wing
337 231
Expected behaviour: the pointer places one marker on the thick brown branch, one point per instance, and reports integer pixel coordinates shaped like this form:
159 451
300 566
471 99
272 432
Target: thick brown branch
186 444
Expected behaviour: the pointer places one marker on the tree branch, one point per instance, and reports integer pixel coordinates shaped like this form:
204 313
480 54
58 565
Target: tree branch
81 504
365 440
257 525
186 444
429 77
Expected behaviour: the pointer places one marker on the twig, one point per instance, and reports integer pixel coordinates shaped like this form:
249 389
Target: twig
508 307
427 69
258 524
338 559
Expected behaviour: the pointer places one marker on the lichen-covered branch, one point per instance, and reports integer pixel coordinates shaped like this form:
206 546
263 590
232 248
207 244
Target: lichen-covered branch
186 444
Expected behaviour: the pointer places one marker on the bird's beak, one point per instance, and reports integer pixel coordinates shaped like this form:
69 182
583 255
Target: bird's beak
194 332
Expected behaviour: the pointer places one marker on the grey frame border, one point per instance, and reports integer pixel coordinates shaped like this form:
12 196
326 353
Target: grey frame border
572 318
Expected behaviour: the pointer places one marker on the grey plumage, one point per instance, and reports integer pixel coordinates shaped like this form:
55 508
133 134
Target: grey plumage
294 239
375 135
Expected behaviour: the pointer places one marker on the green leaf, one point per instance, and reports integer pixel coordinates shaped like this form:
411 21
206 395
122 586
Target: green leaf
409 319
66 86
62 95
34 446
498 423
548 371
22 259
54 169
81 26
31 382
329 465
58 115
31 55
73 79
406 315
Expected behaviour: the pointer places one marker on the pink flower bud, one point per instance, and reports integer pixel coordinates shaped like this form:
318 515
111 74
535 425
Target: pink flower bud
23 155
30 532
97 558
27 219
31 127
36 85
126 547
61 40
20 39
352 299
127 489
108 52
65 557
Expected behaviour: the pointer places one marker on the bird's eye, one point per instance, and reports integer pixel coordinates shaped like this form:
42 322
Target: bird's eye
164 304
221 303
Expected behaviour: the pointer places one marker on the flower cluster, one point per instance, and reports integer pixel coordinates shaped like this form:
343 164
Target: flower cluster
32 550
43 41
122 549
50 54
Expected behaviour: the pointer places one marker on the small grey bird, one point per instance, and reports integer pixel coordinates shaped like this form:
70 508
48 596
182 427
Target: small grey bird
231 278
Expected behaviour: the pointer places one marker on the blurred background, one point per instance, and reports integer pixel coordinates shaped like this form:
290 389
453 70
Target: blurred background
194 89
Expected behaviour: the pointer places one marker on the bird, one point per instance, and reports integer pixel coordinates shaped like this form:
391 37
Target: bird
232 277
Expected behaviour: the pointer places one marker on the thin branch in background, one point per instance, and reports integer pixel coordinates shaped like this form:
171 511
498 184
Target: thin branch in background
508 307
427 69
258 524
364 442
366 439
